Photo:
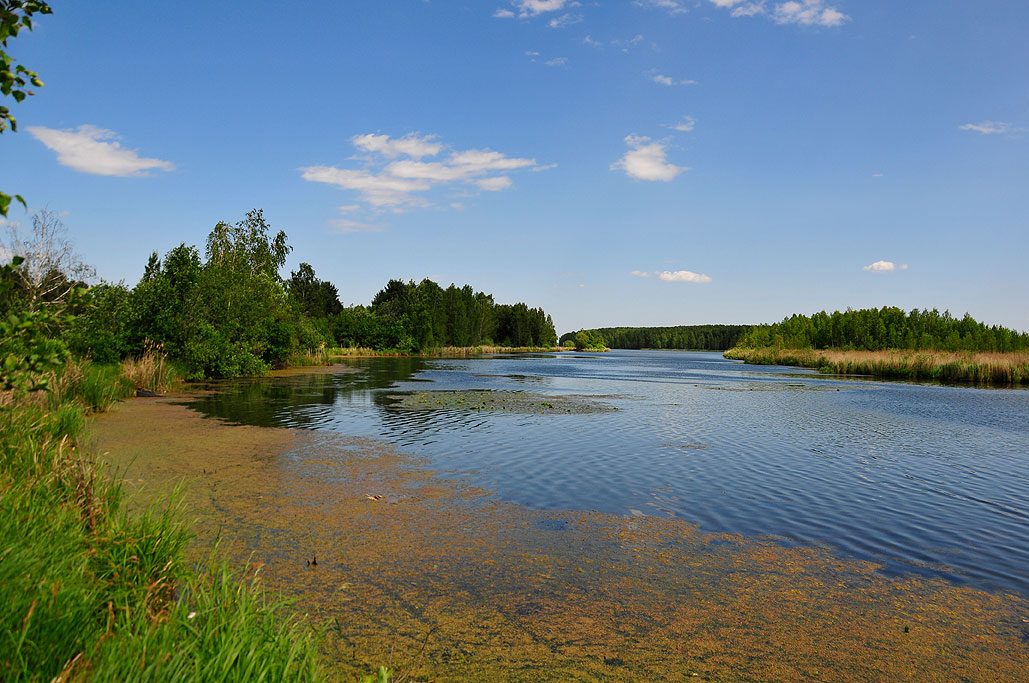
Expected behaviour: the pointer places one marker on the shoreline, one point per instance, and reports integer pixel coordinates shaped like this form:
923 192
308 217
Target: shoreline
953 367
436 578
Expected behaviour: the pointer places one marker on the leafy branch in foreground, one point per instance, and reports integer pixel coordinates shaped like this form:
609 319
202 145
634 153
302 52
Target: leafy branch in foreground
15 78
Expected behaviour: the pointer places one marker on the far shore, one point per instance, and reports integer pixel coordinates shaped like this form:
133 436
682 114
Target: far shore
449 351
982 368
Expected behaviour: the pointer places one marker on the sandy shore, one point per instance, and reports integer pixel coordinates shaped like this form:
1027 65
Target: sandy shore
443 582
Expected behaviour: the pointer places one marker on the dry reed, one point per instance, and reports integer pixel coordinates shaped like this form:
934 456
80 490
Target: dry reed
997 368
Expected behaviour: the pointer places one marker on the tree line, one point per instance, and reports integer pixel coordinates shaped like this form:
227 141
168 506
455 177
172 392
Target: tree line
227 312
885 328
695 337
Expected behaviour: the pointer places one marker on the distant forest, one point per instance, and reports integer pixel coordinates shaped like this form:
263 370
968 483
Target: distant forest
695 337
885 328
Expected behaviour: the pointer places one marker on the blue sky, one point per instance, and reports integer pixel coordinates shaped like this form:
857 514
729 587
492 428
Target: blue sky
649 162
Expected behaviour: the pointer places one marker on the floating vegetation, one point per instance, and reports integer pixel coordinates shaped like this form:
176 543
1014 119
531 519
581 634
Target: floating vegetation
448 583
501 401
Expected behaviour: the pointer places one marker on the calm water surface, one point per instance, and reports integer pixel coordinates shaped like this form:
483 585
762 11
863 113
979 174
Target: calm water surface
924 479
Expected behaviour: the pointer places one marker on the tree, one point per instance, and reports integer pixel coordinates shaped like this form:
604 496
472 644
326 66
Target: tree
15 78
51 269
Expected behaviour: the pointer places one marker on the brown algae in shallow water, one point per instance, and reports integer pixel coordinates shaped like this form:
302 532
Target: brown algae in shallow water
444 582
500 401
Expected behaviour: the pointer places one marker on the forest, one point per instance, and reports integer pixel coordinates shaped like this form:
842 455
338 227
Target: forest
885 328
229 313
694 337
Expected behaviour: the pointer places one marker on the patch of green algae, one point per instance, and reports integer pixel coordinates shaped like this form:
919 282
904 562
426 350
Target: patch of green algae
442 582
500 401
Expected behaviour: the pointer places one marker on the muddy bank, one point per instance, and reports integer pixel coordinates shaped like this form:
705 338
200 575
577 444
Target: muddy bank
397 565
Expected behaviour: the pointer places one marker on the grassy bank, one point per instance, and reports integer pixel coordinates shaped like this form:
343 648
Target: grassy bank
440 352
986 368
92 593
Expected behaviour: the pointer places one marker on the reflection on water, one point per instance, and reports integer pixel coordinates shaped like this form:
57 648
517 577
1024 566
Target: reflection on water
921 478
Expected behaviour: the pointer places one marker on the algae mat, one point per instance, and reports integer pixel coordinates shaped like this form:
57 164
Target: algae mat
394 564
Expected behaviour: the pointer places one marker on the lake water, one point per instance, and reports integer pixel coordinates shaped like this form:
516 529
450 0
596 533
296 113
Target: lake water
923 479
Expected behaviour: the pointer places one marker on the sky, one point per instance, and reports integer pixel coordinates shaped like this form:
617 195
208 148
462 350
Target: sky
619 162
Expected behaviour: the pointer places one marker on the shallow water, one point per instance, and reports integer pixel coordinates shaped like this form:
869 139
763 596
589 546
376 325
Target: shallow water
923 479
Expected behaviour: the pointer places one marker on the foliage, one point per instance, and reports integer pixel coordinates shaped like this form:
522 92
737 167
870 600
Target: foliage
15 78
589 340
885 328
455 316
28 348
694 337
90 592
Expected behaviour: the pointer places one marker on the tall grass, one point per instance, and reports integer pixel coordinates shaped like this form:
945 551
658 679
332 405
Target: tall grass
984 368
150 370
89 592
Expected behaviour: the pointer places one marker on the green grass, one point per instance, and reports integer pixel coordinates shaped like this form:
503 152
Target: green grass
90 592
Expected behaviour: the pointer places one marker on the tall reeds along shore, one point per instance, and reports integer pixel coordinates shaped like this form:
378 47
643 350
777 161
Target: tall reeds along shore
985 368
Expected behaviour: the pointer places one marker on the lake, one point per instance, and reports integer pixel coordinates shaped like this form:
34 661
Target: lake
922 479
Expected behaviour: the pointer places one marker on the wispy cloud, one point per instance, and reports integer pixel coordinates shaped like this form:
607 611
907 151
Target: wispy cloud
802 12
97 151
885 267
672 6
988 127
410 145
566 19
532 8
687 124
395 177
536 58
661 79
676 276
646 160
683 276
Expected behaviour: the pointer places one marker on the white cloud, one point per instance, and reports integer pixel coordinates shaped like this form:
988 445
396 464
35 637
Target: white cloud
668 80
95 150
673 6
556 61
387 183
988 127
409 145
748 10
877 175
646 161
589 41
885 267
531 8
807 13
687 124
494 184
683 276
376 189
503 14
803 12
566 19
640 273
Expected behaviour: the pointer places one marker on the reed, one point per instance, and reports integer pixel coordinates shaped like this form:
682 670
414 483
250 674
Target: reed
150 370
983 368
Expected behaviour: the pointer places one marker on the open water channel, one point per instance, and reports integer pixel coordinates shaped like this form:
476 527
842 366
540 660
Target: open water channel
924 479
